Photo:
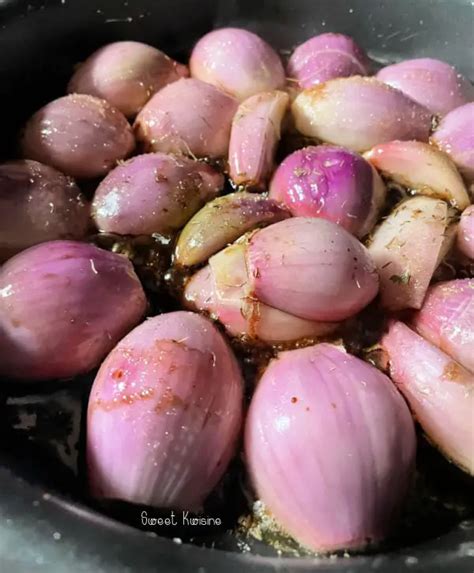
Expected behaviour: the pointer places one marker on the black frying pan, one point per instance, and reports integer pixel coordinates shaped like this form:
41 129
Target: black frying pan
43 524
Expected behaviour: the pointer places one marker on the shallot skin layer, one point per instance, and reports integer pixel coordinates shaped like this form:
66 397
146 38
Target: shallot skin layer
81 135
326 57
164 414
311 268
63 306
126 74
38 204
330 447
238 62
438 389
221 289
447 319
332 183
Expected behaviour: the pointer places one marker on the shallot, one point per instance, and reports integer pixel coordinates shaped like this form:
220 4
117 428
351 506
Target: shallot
330 448
153 193
359 113
126 74
81 135
439 390
421 168
255 133
455 136
188 117
164 414
38 204
79 305
223 221
434 84
332 183
326 57
222 290
238 62
447 319
407 248
311 269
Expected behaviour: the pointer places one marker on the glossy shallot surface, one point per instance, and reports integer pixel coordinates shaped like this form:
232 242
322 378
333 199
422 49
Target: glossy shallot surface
330 447
311 268
126 74
256 131
81 135
438 389
432 83
38 204
326 57
332 183
359 113
170 394
455 136
82 301
447 317
237 62
153 193
222 221
187 117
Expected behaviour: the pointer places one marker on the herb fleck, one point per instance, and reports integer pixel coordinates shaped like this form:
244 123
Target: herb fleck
299 171
402 279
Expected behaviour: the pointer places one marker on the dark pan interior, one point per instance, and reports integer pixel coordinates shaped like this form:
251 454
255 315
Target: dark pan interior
43 523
